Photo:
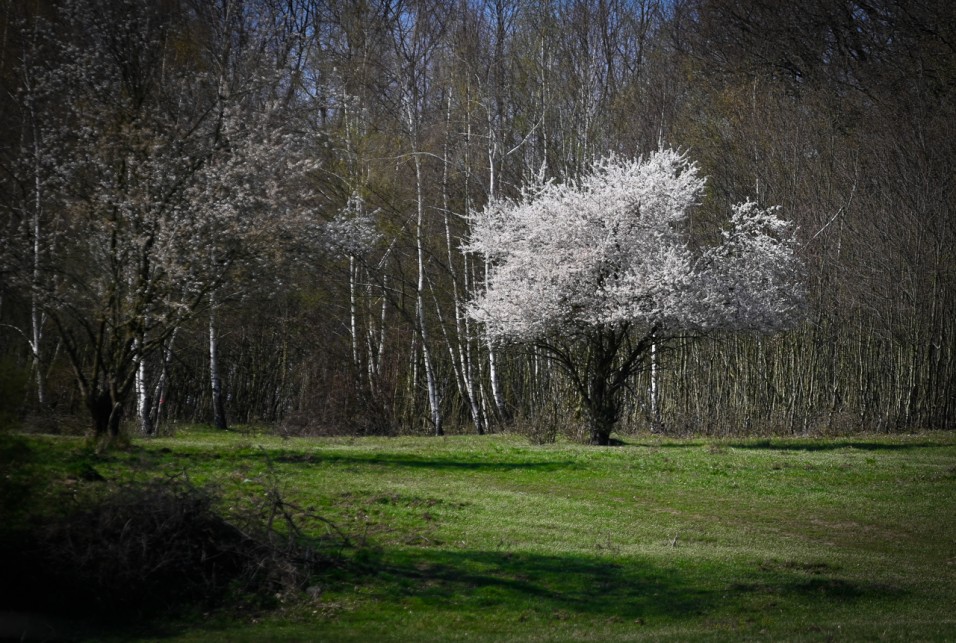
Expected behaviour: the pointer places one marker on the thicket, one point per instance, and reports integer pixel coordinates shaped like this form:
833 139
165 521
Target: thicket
254 212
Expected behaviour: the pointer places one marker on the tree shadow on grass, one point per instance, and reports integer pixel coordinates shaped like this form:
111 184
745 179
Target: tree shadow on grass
810 445
418 462
549 585
628 589
370 459
827 445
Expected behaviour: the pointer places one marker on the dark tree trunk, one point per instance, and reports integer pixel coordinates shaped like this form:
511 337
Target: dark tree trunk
600 377
600 437
602 400
603 410
218 405
106 415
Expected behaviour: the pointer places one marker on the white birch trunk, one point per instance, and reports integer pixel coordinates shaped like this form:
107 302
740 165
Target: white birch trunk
143 398
495 380
36 317
655 408
430 380
457 347
375 338
353 315
215 381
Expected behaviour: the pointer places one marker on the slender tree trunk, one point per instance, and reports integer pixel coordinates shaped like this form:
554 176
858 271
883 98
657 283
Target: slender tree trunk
36 317
144 402
493 375
430 379
353 314
654 395
375 338
458 349
218 403
162 384
495 379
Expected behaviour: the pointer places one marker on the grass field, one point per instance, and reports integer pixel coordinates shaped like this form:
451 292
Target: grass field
490 538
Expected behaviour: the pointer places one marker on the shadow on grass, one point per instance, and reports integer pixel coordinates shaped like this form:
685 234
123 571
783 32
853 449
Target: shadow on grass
418 462
829 445
824 444
371 459
547 585
565 586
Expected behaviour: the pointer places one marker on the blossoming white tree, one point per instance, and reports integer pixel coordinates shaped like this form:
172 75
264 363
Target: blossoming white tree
596 271
168 167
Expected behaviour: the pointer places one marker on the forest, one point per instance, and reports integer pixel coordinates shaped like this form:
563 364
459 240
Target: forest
264 211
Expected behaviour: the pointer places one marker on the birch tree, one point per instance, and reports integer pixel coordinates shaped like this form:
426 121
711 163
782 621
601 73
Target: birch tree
27 224
417 34
595 272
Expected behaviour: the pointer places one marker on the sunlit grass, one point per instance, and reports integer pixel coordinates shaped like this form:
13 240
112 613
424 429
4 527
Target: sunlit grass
489 537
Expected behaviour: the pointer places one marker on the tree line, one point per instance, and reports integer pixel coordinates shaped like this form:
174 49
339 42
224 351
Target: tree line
258 210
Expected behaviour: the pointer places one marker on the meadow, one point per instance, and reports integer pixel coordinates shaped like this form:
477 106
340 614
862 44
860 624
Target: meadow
491 538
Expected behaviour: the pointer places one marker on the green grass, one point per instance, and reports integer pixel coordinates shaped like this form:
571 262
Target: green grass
490 538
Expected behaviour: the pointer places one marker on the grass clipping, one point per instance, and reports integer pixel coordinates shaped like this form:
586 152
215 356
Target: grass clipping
153 547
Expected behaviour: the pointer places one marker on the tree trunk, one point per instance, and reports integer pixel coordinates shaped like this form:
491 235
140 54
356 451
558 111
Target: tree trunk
106 414
144 400
430 379
603 407
602 401
459 349
496 394
162 383
218 404
654 392
36 317
600 435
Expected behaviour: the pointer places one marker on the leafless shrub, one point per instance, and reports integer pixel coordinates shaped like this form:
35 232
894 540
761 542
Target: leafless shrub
150 547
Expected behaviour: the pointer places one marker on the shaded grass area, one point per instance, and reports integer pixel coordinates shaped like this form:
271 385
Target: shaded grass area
490 538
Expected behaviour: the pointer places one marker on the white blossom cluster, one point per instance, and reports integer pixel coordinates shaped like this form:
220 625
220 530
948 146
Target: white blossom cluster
611 249
352 233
